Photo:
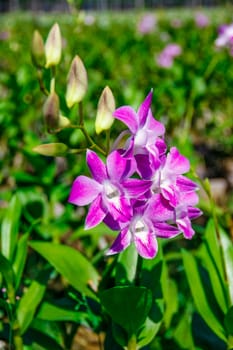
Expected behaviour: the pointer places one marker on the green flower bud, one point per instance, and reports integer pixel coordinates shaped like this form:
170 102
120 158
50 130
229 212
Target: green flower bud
38 50
53 46
51 111
51 149
77 82
63 122
106 107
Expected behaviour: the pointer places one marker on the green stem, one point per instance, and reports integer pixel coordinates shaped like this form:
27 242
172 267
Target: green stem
132 344
17 339
41 83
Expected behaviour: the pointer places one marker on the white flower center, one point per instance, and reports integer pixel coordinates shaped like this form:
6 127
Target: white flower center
111 191
140 138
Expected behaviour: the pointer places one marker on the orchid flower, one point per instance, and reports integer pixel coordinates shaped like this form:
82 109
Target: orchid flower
146 134
109 190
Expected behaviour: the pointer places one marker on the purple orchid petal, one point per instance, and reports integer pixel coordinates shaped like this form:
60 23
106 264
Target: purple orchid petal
170 194
111 223
119 167
154 126
189 198
176 162
136 187
185 226
95 214
119 207
128 116
143 165
96 166
84 190
185 184
122 241
144 109
146 243
194 213
158 209
164 230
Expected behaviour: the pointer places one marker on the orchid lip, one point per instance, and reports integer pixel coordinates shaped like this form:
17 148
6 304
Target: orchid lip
110 190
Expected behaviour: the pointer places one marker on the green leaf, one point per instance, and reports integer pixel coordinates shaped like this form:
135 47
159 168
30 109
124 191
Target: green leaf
126 266
20 259
50 312
183 331
199 296
148 332
128 306
211 257
28 304
9 277
71 264
9 231
228 258
228 321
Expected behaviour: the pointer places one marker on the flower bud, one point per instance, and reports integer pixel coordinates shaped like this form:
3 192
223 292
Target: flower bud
51 111
51 149
53 46
77 82
63 122
38 50
106 107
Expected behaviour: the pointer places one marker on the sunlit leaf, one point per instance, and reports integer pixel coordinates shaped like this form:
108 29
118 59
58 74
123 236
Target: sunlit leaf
228 259
71 264
9 230
28 304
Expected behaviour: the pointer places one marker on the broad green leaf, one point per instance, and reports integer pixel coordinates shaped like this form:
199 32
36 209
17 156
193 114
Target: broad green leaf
9 230
20 259
128 306
28 305
9 277
199 296
126 266
50 312
71 264
228 258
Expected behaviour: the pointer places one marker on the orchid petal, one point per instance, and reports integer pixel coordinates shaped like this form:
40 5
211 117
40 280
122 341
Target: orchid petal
185 184
96 166
144 109
118 167
194 213
164 230
136 187
122 241
146 244
158 209
95 214
120 209
143 166
176 162
84 190
128 116
185 226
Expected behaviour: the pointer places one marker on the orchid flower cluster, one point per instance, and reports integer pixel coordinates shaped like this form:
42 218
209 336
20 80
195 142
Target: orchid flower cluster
141 190
166 57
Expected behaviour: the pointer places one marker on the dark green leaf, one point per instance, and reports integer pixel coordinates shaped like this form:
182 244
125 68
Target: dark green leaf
199 296
20 259
128 306
71 264
229 321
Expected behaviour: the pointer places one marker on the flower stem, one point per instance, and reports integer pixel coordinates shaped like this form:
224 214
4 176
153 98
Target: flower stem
132 344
